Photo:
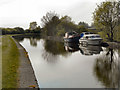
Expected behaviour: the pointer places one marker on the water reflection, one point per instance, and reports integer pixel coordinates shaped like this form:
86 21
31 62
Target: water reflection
54 47
33 42
32 38
90 50
71 47
52 50
102 63
49 57
106 68
84 50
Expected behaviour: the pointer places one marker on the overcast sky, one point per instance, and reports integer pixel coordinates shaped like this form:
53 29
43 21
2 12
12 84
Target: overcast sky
20 13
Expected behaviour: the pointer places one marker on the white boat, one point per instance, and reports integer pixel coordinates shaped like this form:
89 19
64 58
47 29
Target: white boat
90 38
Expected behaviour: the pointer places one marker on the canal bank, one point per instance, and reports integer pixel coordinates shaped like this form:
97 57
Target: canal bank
27 77
10 63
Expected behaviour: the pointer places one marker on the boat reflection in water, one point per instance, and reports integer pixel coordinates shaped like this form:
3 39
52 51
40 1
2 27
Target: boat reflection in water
85 50
89 49
71 47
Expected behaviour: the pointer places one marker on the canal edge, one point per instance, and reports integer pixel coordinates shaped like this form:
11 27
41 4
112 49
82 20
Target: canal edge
27 78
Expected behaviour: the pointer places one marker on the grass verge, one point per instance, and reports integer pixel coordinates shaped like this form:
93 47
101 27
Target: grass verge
10 63
0 62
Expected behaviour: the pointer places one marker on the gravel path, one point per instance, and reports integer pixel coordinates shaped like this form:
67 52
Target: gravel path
27 77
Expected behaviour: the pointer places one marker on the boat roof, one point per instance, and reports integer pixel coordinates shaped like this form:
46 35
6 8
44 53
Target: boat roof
72 32
87 33
92 35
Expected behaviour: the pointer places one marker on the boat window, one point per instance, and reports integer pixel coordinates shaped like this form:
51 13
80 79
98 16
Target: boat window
87 33
94 36
98 36
91 33
87 37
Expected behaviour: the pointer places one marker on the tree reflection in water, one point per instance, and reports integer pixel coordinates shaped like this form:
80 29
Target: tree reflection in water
49 57
106 69
32 38
33 42
52 50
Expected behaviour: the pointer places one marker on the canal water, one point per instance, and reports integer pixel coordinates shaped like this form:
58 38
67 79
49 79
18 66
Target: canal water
66 65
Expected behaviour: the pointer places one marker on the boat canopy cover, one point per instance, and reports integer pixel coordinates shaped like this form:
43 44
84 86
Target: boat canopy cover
81 35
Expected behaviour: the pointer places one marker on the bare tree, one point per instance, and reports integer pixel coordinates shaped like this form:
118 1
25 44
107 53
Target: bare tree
48 17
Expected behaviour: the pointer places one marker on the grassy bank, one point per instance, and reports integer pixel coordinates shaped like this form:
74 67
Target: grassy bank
10 63
116 36
0 62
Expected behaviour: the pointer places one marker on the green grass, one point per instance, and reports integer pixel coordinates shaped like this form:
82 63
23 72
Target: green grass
10 63
116 36
0 63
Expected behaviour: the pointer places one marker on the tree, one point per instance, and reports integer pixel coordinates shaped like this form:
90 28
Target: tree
67 24
50 22
106 17
81 29
19 29
66 19
33 25
48 17
83 24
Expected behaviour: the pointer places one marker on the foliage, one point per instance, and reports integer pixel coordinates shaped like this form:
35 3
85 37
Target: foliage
16 30
61 32
81 29
83 24
19 30
66 25
55 26
33 31
33 25
106 17
117 33
50 22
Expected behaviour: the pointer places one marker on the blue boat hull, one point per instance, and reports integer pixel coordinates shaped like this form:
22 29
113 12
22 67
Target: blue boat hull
73 40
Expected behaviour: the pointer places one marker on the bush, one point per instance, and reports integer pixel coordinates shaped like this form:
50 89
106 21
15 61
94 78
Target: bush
16 30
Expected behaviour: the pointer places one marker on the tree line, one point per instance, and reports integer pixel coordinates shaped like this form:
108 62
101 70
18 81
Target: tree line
106 22
19 30
53 25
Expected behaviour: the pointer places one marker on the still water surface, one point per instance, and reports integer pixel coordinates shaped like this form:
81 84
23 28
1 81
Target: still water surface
63 65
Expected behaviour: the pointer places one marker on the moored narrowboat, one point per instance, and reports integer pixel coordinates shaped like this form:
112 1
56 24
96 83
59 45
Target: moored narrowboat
72 37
